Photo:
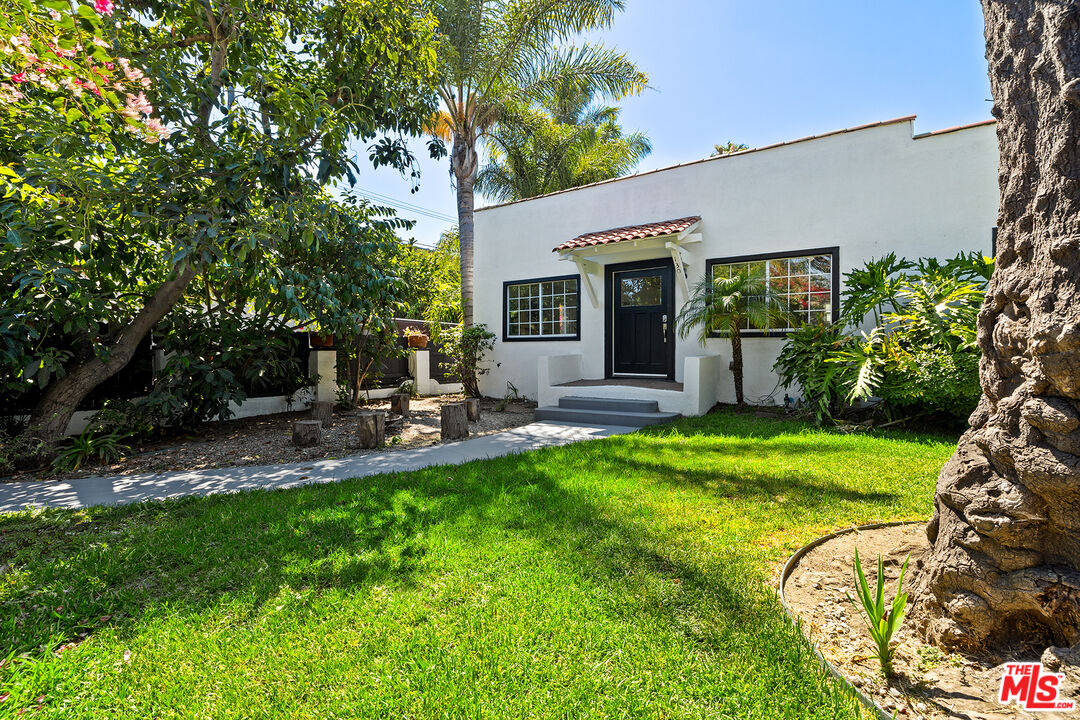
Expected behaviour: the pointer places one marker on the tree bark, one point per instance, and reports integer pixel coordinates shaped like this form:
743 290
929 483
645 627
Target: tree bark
454 422
371 428
464 164
50 417
737 365
1004 566
472 409
323 411
399 403
307 433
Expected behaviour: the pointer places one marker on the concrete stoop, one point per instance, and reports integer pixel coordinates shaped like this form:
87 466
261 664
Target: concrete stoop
606 411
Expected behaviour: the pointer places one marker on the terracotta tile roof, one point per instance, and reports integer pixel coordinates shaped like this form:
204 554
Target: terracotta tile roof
632 232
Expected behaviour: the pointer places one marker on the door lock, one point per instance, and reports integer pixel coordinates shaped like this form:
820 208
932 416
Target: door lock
665 328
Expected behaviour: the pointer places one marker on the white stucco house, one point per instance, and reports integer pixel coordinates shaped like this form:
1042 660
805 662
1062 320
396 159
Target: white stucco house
582 286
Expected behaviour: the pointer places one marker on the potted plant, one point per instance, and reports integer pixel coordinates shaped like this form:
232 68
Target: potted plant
318 340
416 338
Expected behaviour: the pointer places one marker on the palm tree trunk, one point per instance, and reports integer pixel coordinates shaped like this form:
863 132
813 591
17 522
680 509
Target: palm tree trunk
737 364
463 163
466 234
1003 570
50 417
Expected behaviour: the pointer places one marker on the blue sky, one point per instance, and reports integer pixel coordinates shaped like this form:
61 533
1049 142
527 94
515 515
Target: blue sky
764 71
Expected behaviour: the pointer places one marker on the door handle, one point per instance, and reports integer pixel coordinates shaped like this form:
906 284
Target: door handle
665 328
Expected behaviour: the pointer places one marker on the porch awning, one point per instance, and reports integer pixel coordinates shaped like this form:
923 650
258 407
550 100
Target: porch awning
631 232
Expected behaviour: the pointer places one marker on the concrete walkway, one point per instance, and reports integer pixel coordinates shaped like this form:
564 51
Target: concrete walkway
124 489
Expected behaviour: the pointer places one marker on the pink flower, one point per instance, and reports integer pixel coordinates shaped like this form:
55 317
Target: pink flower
9 93
139 103
129 72
155 131
54 15
100 43
105 7
19 77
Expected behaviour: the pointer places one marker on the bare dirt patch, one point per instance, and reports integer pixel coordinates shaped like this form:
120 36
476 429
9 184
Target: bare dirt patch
268 439
928 683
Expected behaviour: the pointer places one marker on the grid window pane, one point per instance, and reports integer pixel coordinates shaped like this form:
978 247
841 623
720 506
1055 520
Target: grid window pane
542 309
802 284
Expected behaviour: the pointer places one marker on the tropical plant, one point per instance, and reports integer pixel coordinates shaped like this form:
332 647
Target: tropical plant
920 355
729 147
724 307
466 347
564 142
88 445
495 54
257 106
807 361
931 329
871 289
882 618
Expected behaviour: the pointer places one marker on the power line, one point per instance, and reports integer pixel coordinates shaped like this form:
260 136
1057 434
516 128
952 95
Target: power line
404 206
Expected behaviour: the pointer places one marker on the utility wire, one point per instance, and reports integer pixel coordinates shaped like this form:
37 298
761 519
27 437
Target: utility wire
404 206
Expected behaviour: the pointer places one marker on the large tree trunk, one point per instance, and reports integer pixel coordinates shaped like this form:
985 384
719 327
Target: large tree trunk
50 417
464 164
1004 567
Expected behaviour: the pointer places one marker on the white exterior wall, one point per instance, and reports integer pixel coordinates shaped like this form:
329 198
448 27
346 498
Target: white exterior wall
869 191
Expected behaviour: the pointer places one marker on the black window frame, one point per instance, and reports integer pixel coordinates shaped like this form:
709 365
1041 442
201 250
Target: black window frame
538 338
834 251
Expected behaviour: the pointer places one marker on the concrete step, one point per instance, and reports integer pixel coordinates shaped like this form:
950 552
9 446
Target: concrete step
611 404
604 417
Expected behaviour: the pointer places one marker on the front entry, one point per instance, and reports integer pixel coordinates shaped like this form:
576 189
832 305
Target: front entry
640 307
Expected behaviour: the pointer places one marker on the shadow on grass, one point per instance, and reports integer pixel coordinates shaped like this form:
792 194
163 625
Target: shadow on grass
75 572
800 489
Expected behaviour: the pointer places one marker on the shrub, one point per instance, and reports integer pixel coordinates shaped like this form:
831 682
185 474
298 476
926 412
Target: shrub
936 380
920 356
466 348
806 362
106 447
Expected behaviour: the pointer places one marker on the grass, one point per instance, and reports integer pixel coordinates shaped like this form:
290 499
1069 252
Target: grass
622 578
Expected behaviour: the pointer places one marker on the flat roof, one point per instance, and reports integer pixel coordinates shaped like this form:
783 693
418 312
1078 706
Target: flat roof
808 138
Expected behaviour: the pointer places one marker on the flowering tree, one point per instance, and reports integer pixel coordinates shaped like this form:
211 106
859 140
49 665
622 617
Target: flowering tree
126 197
57 63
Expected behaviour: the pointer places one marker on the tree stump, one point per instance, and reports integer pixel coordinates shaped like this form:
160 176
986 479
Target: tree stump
455 422
472 409
323 411
306 433
372 428
399 403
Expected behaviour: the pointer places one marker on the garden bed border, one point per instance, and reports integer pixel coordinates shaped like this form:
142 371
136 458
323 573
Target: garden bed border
789 566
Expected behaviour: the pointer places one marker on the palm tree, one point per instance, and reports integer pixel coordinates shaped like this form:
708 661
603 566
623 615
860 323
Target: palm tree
729 147
724 307
565 142
498 53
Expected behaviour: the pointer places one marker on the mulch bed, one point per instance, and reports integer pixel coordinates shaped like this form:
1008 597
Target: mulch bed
927 683
268 440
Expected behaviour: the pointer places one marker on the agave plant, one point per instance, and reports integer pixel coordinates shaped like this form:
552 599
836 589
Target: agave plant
883 618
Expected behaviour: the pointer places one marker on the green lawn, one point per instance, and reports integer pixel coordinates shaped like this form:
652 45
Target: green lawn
616 578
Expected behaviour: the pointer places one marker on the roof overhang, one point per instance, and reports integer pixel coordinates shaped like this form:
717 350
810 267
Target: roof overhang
663 238
631 234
